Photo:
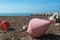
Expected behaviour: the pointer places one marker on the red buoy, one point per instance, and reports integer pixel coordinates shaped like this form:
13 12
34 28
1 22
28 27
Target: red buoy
5 25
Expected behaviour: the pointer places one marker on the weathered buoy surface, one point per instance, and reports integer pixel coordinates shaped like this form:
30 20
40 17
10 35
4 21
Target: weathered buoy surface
5 25
37 27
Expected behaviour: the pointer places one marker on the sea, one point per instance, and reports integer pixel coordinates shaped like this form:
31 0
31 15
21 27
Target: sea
16 14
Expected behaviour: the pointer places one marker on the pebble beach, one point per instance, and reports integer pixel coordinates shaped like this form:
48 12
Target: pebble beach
17 33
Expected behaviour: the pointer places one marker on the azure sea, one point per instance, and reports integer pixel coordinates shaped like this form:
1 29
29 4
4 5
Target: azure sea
15 14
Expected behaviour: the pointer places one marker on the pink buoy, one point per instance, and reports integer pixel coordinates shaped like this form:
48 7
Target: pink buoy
38 27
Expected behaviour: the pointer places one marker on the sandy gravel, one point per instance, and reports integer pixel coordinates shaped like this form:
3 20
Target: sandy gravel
16 32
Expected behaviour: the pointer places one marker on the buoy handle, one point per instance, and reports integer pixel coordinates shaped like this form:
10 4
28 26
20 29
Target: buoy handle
53 21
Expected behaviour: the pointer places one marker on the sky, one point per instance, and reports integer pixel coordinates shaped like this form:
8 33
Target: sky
29 6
